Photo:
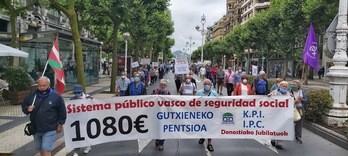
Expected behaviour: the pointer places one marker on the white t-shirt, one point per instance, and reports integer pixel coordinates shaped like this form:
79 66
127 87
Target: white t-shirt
202 70
244 90
188 88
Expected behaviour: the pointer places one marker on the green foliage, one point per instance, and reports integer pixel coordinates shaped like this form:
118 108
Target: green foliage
17 78
318 102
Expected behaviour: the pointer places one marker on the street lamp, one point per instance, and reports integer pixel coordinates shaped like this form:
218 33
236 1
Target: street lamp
190 43
224 61
126 36
202 32
263 59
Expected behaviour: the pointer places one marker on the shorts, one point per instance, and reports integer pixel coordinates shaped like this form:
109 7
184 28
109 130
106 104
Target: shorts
220 81
45 141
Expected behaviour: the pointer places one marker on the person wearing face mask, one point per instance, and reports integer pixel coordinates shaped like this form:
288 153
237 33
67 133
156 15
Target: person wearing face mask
243 88
122 85
161 91
207 91
238 76
137 87
188 88
80 95
282 91
300 98
47 113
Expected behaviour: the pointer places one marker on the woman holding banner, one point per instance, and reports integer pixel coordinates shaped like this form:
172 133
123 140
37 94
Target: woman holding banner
282 91
300 101
161 91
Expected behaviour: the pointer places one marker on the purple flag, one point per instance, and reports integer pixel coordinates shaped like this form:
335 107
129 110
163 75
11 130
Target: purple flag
310 53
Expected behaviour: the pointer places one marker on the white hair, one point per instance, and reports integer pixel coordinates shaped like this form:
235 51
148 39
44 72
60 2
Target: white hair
262 73
163 81
44 78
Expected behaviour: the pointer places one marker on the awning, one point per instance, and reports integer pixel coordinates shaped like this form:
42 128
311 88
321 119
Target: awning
9 51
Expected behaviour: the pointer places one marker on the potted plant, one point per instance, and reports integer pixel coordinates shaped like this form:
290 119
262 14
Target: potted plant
19 84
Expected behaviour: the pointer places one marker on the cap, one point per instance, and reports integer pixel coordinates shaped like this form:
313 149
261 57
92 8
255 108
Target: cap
77 88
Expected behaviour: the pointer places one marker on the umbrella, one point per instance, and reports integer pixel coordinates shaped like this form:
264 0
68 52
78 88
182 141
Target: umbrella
9 51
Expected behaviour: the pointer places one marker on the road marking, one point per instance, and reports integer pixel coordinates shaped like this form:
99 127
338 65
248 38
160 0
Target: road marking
267 143
205 148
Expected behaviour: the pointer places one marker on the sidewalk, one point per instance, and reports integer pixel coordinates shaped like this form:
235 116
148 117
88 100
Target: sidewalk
12 120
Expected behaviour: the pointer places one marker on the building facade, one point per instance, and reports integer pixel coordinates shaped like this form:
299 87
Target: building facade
37 31
249 8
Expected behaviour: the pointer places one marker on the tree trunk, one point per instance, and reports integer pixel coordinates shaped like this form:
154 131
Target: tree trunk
285 70
14 40
78 49
114 69
137 48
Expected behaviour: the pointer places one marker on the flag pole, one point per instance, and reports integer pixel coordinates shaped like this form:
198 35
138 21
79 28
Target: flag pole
303 69
43 73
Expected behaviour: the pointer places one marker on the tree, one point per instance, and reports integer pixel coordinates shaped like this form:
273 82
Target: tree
14 9
68 8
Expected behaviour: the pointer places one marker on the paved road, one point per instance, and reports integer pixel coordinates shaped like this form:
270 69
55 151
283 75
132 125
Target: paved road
313 145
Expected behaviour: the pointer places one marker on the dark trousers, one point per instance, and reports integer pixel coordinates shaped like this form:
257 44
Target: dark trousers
298 124
229 88
160 142
177 84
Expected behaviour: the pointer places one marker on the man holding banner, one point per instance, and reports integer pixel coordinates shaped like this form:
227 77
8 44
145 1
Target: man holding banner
207 91
137 87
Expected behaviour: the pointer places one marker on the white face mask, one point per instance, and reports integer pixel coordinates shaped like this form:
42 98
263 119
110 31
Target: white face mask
188 80
123 77
245 80
240 71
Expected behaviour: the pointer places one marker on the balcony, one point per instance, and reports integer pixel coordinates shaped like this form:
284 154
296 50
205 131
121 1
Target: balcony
246 3
262 5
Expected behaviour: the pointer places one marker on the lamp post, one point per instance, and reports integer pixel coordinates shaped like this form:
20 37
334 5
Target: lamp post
190 43
224 61
338 73
263 59
185 50
203 20
126 35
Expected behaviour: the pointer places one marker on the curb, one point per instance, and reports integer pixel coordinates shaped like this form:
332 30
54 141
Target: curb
327 134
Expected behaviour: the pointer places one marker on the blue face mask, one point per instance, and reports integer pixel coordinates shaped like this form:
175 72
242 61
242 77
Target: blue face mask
282 90
78 94
207 87
136 79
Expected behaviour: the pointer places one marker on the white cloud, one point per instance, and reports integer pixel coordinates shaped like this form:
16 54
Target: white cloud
186 14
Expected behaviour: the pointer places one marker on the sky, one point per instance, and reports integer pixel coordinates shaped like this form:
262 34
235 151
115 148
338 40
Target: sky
187 14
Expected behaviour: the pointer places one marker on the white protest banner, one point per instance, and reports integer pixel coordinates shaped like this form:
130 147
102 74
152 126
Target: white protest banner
135 64
145 61
254 70
180 59
96 121
154 64
181 69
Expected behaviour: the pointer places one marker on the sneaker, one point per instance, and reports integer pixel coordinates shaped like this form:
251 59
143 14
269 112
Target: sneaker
210 148
273 142
279 147
298 140
75 154
87 149
160 147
